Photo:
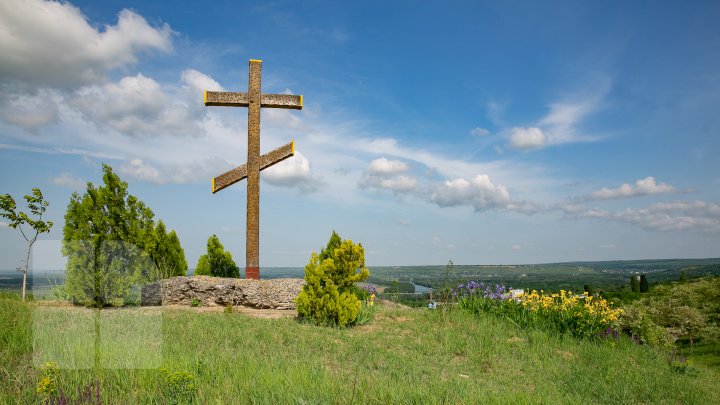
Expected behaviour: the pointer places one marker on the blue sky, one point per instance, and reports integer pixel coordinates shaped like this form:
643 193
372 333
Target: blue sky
503 132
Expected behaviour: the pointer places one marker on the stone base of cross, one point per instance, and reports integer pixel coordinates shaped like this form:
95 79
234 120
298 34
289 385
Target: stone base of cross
253 100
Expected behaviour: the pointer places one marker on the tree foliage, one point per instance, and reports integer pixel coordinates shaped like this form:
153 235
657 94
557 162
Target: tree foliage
167 253
688 311
112 243
644 286
634 284
37 205
217 262
328 296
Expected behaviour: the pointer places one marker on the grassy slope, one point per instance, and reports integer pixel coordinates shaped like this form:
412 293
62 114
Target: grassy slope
405 356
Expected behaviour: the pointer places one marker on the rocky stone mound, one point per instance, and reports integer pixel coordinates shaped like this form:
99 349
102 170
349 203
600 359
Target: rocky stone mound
215 291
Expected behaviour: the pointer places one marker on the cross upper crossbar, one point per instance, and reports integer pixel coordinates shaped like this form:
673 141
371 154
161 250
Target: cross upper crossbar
237 99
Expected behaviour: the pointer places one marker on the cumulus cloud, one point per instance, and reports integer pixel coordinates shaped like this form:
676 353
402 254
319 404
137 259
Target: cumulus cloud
388 175
141 170
561 124
646 186
674 216
66 179
527 138
293 172
198 82
383 166
138 105
29 108
478 192
49 43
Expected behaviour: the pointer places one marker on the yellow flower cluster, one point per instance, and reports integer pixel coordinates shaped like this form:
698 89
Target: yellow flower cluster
371 300
571 304
47 385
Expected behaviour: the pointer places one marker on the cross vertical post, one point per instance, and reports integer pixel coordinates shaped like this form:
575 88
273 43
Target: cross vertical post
252 236
253 100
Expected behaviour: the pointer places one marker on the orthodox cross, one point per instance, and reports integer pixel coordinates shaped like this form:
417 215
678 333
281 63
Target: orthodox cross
253 100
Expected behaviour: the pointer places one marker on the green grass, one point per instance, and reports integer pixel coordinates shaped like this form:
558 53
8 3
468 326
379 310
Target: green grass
704 354
403 356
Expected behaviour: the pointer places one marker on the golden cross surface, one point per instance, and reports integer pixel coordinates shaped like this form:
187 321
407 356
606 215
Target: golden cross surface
253 100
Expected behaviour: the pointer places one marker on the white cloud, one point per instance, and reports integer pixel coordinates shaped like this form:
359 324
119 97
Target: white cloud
389 175
477 131
646 186
561 123
383 166
293 172
516 247
66 179
142 170
527 138
29 109
478 192
49 43
674 216
178 172
4 224
136 105
398 184
198 82
61 151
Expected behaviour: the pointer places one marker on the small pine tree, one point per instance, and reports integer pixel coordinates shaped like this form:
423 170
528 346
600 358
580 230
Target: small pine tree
634 285
328 296
217 262
683 277
167 253
334 243
644 286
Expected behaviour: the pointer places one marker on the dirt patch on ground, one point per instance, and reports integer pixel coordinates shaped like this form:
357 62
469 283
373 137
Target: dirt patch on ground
256 313
390 304
53 303
565 355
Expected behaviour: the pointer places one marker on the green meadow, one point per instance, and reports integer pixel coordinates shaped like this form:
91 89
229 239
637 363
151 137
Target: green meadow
191 355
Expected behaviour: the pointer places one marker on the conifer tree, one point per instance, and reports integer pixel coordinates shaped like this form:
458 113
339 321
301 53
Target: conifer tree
644 286
634 285
217 262
328 296
168 255
111 241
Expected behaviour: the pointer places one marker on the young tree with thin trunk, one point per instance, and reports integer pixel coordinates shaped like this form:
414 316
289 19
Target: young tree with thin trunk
37 205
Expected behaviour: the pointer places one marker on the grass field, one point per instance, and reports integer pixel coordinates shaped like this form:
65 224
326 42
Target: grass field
403 356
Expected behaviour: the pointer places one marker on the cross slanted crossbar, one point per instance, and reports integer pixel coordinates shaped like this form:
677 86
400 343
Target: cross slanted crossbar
253 100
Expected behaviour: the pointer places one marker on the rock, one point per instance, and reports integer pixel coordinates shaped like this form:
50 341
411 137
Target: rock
277 293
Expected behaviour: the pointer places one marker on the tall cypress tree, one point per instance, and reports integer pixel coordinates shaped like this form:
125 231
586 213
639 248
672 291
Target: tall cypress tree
168 255
634 285
111 241
644 286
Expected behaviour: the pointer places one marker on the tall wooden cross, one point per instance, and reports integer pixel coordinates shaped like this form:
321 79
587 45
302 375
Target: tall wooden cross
253 100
